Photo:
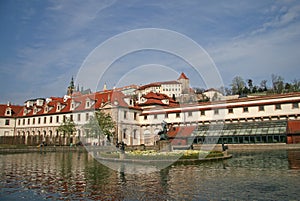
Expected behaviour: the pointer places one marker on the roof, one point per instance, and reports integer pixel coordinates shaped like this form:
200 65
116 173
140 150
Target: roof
157 99
233 103
181 131
293 127
97 100
183 76
213 90
14 108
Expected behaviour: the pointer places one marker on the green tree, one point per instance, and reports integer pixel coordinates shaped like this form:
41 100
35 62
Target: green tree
67 127
250 85
99 126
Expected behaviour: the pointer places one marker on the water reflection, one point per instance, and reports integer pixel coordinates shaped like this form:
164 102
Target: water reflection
255 175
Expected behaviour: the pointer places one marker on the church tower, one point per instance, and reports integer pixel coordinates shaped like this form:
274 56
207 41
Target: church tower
71 88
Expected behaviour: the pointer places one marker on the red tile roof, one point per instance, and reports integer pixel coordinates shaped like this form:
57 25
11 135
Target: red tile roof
157 99
293 127
97 100
183 76
181 131
14 108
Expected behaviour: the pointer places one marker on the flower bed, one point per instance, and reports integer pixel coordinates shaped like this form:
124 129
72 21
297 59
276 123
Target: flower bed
154 155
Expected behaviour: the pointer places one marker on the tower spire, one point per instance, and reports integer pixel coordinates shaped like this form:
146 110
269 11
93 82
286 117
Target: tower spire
71 87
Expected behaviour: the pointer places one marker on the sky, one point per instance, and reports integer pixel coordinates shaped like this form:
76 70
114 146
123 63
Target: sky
45 43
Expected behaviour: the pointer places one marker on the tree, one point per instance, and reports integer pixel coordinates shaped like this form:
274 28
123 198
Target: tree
296 85
67 127
237 85
100 126
228 91
263 86
278 83
250 85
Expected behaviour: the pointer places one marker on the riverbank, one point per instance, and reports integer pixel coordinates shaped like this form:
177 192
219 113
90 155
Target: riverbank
11 149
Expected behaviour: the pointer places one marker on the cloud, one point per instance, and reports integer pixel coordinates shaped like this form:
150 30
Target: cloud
246 38
283 17
259 55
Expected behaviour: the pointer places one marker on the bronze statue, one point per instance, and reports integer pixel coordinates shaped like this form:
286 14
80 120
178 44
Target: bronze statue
163 134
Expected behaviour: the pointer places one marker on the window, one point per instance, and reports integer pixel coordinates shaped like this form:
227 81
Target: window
145 117
39 120
134 115
278 107
19 121
8 112
190 114
134 134
28 121
245 109
23 121
87 104
216 111
230 110
202 112
261 108
57 119
125 114
155 116
50 121
177 115
166 115
45 120
78 117
71 117
6 122
295 105
64 118
124 133
86 116
33 121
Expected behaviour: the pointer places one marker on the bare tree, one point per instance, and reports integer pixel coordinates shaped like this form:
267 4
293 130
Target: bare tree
237 85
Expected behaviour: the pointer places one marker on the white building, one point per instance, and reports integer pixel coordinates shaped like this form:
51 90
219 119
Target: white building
138 122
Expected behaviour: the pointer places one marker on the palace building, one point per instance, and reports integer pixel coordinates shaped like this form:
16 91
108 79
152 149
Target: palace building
139 111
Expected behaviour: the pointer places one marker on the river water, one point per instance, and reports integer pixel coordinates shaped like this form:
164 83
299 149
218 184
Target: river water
249 175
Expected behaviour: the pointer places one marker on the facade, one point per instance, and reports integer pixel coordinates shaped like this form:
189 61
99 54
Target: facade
8 114
138 116
176 89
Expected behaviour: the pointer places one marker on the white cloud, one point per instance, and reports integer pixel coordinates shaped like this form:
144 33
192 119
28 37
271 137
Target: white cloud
260 55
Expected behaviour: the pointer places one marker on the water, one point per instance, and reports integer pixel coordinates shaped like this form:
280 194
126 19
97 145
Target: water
249 175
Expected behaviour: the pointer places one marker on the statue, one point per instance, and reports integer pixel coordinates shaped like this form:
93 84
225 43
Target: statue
163 134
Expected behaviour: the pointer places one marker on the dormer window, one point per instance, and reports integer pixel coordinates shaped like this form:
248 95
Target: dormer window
87 103
58 107
34 110
25 111
8 112
46 109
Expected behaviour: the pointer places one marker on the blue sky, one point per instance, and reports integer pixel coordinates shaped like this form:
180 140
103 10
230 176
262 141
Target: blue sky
44 43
